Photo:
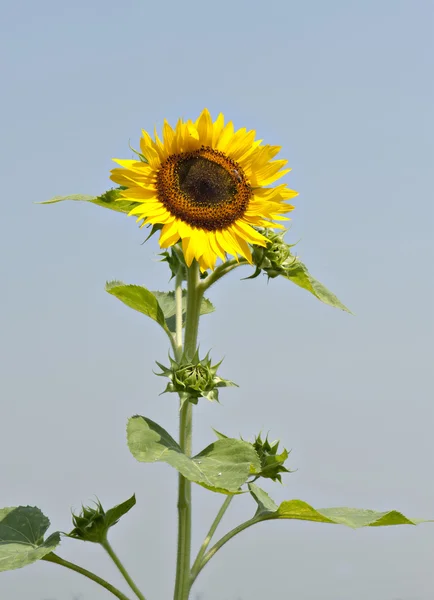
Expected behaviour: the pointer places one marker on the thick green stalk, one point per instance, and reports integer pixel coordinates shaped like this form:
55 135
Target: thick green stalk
197 563
194 299
69 565
107 547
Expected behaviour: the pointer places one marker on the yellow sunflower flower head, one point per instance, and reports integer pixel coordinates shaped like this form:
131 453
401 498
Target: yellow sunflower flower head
207 185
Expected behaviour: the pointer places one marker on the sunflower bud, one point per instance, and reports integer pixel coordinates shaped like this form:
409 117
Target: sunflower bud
194 379
271 461
93 523
90 525
276 258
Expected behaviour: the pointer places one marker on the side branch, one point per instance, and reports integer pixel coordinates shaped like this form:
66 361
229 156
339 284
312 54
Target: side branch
69 565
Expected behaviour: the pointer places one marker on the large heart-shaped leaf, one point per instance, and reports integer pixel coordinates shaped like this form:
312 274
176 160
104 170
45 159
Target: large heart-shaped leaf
299 510
223 466
111 199
22 541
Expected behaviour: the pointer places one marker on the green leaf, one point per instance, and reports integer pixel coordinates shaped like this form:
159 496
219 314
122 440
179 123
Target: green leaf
299 510
263 500
160 306
110 199
22 541
138 298
224 465
113 515
220 436
168 306
297 273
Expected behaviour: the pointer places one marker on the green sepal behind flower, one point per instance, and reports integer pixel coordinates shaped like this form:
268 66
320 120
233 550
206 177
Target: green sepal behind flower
93 523
176 261
272 463
194 379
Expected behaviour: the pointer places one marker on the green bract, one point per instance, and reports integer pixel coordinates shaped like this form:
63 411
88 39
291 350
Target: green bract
275 258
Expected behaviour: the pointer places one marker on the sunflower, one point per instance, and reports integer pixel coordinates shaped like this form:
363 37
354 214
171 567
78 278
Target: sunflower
206 185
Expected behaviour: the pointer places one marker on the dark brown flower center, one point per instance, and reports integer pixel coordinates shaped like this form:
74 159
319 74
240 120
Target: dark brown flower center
204 188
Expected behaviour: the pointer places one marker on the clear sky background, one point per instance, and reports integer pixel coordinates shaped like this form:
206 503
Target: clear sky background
345 88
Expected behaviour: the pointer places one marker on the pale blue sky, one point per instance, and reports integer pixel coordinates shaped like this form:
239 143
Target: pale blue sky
345 88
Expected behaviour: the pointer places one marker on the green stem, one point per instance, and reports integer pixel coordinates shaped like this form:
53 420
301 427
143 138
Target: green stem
194 299
106 545
211 532
221 543
178 314
69 565
222 270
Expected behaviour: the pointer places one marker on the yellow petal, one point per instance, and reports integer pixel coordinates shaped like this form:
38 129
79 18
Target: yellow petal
238 149
226 242
243 245
205 128
169 235
250 234
192 130
149 150
237 243
217 249
217 129
225 136
139 193
134 165
188 250
168 137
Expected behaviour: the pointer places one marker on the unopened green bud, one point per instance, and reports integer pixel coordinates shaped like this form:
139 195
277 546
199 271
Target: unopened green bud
194 379
89 525
93 523
272 463
275 258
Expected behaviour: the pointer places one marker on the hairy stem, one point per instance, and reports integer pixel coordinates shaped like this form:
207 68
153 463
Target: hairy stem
69 565
194 299
107 547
